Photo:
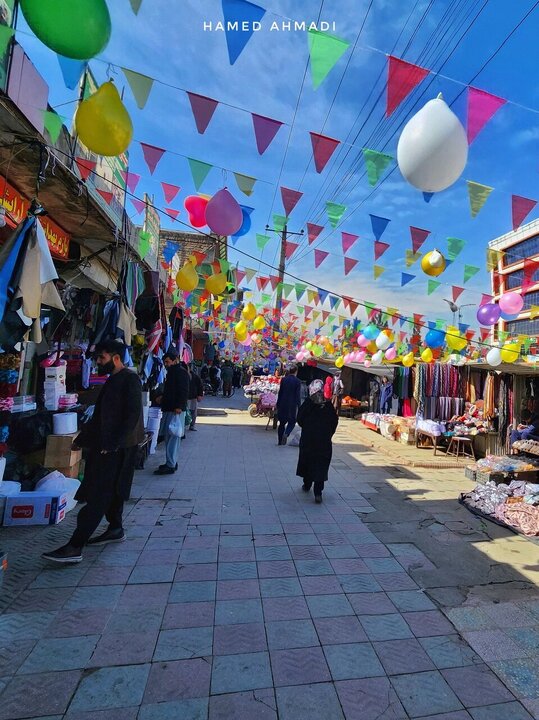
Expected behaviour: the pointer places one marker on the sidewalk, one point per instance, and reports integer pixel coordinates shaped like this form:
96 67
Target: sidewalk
235 597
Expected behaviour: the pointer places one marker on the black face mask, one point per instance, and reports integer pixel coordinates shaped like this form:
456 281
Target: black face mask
105 369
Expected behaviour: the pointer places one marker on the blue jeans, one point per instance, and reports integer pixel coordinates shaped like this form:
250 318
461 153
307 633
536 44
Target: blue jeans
172 442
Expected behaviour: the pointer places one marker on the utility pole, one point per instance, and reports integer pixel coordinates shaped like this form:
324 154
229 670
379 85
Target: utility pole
282 267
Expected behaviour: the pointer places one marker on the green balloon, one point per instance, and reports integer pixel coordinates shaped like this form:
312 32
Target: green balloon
78 29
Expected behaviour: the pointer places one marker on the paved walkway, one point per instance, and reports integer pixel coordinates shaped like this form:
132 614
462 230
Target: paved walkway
236 597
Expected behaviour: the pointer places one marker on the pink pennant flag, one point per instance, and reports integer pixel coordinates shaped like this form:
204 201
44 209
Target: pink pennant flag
319 257
521 207
85 167
170 192
290 199
240 276
402 78
323 149
313 231
481 107
131 180
485 299
457 292
349 264
274 280
290 249
347 241
418 237
152 155
107 196
379 249
307 309
139 205
203 108
265 130
172 213
262 282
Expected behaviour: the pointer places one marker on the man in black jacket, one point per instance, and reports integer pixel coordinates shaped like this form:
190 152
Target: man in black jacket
112 437
196 393
173 403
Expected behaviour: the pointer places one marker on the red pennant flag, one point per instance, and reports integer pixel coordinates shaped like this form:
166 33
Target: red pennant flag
274 280
325 315
139 205
485 332
313 231
418 237
107 196
323 149
347 241
265 130
290 199
379 249
353 307
172 213
152 156
481 107
402 78
262 282
85 167
165 265
131 180
349 264
521 207
319 257
240 276
285 304
485 299
307 310
469 334
290 249
203 108
402 335
199 257
170 192
457 292
530 268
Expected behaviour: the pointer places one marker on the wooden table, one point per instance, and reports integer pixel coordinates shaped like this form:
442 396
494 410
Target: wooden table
435 439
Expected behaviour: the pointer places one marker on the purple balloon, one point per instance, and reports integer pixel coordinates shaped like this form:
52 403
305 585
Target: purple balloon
223 214
489 314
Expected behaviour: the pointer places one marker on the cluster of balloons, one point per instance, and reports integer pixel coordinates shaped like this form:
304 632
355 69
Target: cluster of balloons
509 353
508 308
241 328
221 213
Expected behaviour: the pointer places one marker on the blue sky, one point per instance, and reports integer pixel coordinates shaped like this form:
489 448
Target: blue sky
167 42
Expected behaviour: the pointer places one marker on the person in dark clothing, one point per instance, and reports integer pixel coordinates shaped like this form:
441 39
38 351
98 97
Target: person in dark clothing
236 378
386 395
112 437
318 420
528 429
215 377
227 375
196 393
173 403
288 402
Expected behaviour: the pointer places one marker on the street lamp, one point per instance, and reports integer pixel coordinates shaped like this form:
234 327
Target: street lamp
457 309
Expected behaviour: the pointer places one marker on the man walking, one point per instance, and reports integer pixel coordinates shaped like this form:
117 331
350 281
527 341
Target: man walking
227 374
288 402
173 403
196 393
112 437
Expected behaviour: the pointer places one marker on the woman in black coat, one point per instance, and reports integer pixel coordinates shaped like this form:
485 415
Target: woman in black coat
318 421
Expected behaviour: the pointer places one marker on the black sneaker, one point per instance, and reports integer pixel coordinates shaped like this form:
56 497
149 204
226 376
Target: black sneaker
109 536
66 554
192 429
305 488
165 470
318 499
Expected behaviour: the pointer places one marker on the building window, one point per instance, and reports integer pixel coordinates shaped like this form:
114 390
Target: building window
526 249
523 327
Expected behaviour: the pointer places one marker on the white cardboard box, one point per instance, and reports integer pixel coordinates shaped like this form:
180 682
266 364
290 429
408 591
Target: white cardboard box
35 508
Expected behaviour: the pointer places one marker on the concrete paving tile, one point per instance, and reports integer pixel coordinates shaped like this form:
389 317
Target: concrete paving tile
370 699
525 637
130 621
236 529
38 695
425 692
403 656
521 676
302 539
24 626
183 644
411 600
322 585
192 591
58 654
151 574
185 615
276 568
95 597
339 630
308 702
532 706
13 654
359 583
396 581
314 567
269 540
477 685
204 571
509 615
495 644
178 680
136 597
105 575
194 709
276 552
448 651
299 666
258 704
237 673
159 557
195 557
512 710
236 541
244 638
352 661
307 552
280 587
350 566
285 608
236 554
385 627
41 600
286 634
237 589
124 649
469 618
52 577
426 623
329 605
371 603
374 550
383 565
233 612
108 688
337 552
237 571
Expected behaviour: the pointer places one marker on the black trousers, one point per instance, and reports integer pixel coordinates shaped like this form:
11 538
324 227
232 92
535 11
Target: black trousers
318 485
285 428
89 517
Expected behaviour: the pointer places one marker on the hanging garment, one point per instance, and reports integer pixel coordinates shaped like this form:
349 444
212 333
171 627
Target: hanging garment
127 323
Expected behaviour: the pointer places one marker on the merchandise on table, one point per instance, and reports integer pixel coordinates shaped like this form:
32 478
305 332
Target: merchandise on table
527 446
392 427
515 505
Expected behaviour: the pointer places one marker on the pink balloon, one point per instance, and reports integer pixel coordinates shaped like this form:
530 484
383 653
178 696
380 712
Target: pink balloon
299 356
511 303
361 356
196 207
347 358
223 214
391 354
367 363
362 341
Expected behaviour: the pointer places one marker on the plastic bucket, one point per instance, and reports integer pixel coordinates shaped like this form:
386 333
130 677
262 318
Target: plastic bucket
64 423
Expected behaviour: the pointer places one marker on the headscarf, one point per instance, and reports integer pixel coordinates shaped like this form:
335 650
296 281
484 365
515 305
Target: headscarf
316 392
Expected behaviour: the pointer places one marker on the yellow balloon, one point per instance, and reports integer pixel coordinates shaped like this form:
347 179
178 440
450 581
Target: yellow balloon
339 362
330 349
249 311
259 323
454 340
433 263
426 355
510 352
408 359
240 328
372 347
216 284
187 278
241 336
102 122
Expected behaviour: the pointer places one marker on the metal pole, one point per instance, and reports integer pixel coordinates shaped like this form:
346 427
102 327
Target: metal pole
279 298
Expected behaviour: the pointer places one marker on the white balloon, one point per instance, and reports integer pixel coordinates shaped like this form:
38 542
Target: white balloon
382 341
436 259
494 357
377 357
433 148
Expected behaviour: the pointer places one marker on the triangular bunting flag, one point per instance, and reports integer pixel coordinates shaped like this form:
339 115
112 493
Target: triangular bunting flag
319 257
203 108
481 107
135 4
279 222
455 247
152 156
325 51
287 289
521 207
71 70
245 183
249 274
265 298
378 224
347 241
411 257
432 286
470 271
139 205
170 250
170 192
262 241
141 86
290 199
427 196
485 299
131 180
323 149
378 270
274 280
85 167
199 171
493 258
478 195
376 163
106 195
290 249
418 237
335 213
457 292
349 264
402 78
265 130
334 302
323 294
53 124
313 231
406 278
534 312
379 249
300 290
262 282
242 14
172 213
144 244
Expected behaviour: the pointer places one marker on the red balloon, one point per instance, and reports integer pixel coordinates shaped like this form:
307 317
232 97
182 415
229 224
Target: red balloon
196 207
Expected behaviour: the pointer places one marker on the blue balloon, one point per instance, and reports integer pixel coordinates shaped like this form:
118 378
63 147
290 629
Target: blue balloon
371 332
435 338
222 344
246 224
505 316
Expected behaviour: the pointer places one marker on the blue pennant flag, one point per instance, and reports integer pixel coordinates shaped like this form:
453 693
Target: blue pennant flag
239 11
333 301
71 70
406 278
323 294
169 251
463 328
427 197
379 224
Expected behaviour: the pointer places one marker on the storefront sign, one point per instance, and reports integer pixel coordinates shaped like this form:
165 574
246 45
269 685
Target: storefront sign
152 226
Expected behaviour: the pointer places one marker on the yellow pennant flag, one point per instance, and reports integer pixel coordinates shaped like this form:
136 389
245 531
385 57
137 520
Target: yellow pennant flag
478 195
493 258
411 257
534 312
378 270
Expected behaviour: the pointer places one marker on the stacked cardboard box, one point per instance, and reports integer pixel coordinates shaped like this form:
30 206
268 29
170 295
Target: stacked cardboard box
60 456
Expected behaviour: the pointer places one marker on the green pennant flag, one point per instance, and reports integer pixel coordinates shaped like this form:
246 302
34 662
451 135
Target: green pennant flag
528 342
135 4
6 34
478 195
262 241
376 163
53 124
455 247
249 274
199 171
144 243
335 213
245 183
411 257
287 289
369 307
300 290
141 86
225 265
378 270
470 271
440 323
325 51
279 221
265 298
502 336
432 286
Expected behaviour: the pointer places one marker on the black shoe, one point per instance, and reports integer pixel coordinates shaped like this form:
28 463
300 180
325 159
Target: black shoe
109 536
285 439
182 437
165 471
318 499
67 554
192 429
305 488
